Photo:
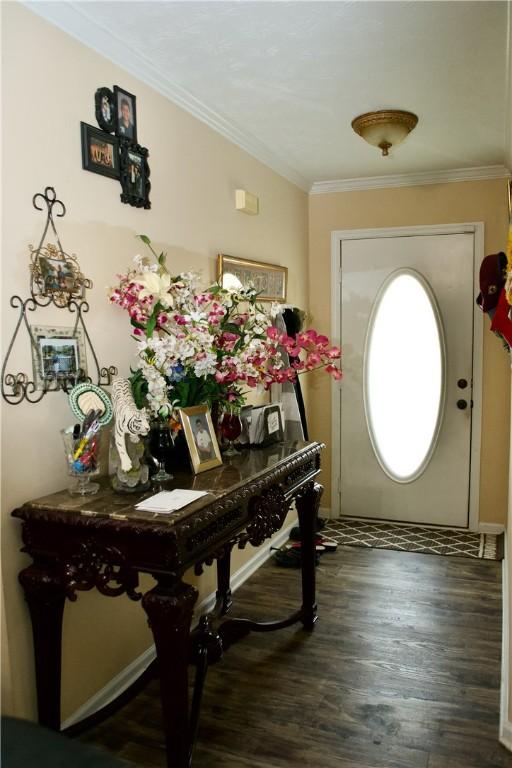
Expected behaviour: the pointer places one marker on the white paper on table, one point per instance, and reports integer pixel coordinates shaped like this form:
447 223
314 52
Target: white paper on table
169 501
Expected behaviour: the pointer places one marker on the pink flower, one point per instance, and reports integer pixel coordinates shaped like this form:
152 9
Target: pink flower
138 332
272 333
335 372
334 353
313 359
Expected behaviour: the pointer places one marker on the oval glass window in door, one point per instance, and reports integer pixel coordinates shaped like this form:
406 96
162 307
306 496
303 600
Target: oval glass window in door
404 379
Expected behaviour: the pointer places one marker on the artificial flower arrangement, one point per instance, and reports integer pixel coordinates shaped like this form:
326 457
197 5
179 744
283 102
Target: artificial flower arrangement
206 346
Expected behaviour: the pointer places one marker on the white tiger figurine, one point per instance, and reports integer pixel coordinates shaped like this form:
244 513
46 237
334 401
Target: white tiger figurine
129 420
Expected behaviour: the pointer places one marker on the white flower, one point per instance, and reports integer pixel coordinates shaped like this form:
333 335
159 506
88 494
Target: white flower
206 365
157 286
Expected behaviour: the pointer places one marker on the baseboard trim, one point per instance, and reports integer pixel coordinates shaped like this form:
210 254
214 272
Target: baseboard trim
112 689
494 528
128 676
505 724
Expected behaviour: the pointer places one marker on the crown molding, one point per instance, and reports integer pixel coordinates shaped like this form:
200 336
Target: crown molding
72 18
480 173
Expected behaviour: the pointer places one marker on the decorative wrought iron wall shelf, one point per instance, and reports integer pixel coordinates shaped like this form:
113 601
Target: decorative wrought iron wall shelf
55 279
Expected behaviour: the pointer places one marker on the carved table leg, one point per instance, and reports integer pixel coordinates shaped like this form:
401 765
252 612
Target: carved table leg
307 508
224 581
169 607
45 595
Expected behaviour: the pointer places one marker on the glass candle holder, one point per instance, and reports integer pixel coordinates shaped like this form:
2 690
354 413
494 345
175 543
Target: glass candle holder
160 448
83 461
231 429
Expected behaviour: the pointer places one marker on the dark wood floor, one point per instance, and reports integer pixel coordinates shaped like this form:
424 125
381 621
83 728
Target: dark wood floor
402 671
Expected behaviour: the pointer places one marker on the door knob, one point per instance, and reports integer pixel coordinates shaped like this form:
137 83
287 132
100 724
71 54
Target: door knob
462 404
462 383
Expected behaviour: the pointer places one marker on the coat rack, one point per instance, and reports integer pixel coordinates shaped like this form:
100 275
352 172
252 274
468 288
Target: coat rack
55 278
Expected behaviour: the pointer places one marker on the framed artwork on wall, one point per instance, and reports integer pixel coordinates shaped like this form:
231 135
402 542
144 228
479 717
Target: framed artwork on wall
134 171
269 280
105 109
100 152
125 114
57 353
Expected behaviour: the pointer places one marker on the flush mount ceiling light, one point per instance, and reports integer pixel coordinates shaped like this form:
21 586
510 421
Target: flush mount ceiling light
385 128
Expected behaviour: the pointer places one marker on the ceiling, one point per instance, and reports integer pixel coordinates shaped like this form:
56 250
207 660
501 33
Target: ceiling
285 79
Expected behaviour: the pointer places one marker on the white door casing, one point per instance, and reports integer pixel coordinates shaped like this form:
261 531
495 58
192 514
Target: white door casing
438 257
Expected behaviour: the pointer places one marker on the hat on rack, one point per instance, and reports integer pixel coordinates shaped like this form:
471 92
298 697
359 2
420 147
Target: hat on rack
492 280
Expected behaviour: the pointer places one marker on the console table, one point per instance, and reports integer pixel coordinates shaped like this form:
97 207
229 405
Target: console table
103 542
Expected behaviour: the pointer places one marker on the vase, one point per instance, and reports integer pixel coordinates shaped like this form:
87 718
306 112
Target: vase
83 460
136 479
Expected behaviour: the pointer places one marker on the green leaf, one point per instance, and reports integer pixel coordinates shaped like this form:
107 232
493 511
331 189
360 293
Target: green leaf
145 239
151 325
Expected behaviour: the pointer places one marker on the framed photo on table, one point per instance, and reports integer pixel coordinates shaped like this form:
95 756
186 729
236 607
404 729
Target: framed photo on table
200 436
269 280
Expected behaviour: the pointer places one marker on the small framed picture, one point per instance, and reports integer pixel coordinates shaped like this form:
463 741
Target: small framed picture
58 275
273 431
57 353
200 436
269 280
100 152
135 175
105 109
126 114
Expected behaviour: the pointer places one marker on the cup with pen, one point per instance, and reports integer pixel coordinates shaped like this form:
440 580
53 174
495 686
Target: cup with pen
82 449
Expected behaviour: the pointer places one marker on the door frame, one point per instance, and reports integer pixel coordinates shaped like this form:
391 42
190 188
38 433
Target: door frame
337 237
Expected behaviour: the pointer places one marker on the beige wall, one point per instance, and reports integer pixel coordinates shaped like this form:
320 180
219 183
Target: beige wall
49 82
432 204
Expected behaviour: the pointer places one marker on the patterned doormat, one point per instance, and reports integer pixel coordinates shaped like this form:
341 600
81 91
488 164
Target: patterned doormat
433 541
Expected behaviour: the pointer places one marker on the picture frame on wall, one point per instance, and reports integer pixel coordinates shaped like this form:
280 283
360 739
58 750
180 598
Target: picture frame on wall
105 109
100 151
201 439
134 174
125 107
57 353
269 280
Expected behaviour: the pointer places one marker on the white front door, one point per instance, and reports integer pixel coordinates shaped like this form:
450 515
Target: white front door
406 315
